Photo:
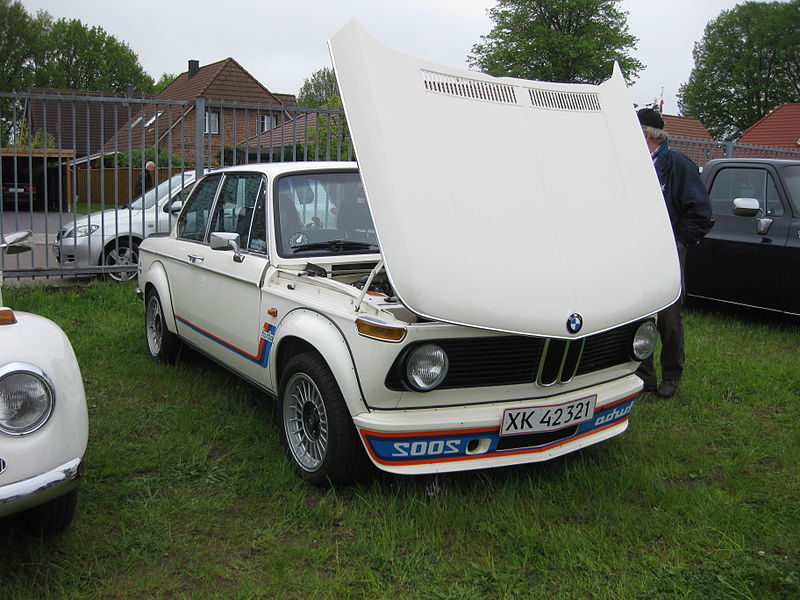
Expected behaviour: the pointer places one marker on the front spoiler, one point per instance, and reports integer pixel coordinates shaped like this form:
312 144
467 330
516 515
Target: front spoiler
405 444
22 495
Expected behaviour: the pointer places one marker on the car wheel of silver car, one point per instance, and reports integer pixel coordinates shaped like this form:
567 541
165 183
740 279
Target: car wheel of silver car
161 342
317 429
121 252
51 517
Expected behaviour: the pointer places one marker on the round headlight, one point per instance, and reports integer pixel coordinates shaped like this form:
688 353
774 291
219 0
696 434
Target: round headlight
26 399
426 367
644 340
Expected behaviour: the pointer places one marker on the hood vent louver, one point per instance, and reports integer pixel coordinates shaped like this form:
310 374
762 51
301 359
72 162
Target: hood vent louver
558 100
468 88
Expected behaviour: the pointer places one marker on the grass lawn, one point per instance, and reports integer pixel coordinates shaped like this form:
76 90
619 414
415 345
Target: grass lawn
187 493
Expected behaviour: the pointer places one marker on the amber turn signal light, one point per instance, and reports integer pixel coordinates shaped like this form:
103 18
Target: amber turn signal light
7 316
379 330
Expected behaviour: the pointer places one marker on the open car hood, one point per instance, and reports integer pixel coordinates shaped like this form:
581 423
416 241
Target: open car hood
507 204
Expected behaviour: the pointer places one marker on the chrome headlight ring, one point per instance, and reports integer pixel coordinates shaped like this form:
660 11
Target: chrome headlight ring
425 367
27 398
644 340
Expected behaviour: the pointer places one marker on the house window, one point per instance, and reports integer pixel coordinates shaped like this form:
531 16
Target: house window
153 118
266 122
212 122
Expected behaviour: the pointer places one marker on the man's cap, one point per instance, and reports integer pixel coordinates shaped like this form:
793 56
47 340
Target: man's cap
650 118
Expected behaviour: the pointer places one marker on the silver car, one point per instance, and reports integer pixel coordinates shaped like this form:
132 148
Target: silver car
112 237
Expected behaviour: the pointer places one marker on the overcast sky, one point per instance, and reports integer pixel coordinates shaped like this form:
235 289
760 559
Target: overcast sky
281 42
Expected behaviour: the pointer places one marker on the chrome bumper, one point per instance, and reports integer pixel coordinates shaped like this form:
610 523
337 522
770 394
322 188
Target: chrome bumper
22 495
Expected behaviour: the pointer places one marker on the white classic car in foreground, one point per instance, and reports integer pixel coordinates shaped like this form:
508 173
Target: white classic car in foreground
43 420
464 297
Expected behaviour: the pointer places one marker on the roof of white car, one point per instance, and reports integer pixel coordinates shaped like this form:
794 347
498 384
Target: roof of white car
279 168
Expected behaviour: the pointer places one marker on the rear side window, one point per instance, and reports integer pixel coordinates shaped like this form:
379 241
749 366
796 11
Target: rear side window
193 222
732 183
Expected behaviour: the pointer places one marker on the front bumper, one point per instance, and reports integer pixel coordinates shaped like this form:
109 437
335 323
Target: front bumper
424 441
22 495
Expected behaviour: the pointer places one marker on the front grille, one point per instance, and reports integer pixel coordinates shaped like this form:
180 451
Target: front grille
514 359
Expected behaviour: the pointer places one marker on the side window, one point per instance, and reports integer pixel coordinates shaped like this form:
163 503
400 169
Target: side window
236 204
732 183
192 223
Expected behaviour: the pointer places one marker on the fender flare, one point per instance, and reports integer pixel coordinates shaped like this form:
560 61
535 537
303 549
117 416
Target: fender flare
313 330
157 278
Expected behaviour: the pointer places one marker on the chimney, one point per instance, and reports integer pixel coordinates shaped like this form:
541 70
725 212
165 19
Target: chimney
194 67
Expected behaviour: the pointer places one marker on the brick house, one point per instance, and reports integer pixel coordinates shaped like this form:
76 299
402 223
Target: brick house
686 127
308 135
689 128
77 124
249 109
779 129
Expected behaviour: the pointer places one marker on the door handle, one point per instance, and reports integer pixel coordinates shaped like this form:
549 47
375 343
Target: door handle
194 258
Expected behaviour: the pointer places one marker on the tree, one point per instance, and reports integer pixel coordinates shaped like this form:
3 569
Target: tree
571 41
319 90
79 57
164 81
18 40
746 64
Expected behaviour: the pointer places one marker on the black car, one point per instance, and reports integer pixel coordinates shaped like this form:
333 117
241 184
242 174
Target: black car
18 192
751 256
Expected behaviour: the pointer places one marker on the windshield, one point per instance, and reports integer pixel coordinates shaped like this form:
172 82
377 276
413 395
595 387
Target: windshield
151 196
323 214
791 175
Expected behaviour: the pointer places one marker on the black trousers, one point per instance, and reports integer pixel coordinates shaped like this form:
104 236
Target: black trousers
670 330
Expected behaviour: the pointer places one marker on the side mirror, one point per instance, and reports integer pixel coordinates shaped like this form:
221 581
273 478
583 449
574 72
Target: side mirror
223 240
746 207
173 207
10 243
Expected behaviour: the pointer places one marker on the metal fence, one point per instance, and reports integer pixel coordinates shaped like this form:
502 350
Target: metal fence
702 151
65 159
70 165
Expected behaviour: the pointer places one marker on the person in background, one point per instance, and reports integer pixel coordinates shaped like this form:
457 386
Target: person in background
145 182
690 213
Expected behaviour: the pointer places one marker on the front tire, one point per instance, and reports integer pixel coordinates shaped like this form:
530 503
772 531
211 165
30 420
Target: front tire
122 252
316 427
51 517
162 344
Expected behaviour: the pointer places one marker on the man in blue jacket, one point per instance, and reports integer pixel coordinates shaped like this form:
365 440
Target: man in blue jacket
690 214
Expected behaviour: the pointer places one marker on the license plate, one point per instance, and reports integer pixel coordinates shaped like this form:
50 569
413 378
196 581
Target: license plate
517 421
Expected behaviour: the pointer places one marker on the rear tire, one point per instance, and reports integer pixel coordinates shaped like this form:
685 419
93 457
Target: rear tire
162 344
316 428
121 252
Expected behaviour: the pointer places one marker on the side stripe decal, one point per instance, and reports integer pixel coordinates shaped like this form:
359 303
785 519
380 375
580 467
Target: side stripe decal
264 342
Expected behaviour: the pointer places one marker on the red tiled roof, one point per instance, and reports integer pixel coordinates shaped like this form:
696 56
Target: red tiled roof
223 81
685 127
779 129
294 131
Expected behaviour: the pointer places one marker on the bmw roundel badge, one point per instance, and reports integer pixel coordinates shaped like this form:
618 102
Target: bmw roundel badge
574 323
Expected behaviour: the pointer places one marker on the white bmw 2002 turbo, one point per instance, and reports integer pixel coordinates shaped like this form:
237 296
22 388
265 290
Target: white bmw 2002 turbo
43 419
476 292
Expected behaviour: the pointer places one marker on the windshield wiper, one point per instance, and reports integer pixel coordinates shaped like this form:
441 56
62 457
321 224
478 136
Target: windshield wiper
341 245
